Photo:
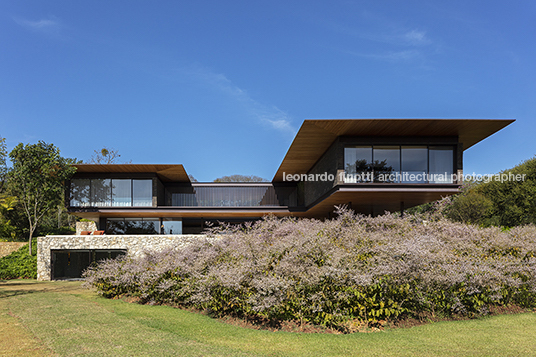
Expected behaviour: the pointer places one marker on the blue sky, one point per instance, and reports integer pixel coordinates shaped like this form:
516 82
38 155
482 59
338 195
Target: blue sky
222 86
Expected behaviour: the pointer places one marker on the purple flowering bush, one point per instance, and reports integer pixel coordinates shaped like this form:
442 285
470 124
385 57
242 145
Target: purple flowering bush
336 273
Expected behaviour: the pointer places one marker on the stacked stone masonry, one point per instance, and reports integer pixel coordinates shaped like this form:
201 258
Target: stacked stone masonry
136 245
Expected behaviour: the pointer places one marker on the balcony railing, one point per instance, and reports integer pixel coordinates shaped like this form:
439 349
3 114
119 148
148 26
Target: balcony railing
236 196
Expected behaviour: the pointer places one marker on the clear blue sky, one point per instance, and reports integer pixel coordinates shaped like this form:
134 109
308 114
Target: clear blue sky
222 86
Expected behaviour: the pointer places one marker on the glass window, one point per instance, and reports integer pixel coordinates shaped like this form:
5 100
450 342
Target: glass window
142 192
132 226
358 164
101 192
115 226
414 164
121 192
386 163
441 164
172 226
142 226
80 192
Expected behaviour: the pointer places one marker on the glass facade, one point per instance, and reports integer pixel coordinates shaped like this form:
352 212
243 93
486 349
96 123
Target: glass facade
122 193
101 192
142 193
111 192
414 164
133 226
399 164
358 163
80 192
143 226
386 164
171 226
441 164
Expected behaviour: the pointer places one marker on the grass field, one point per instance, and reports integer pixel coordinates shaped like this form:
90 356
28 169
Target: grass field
62 319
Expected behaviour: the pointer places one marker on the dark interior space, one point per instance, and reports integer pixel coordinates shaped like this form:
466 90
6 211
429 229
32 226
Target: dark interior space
71 263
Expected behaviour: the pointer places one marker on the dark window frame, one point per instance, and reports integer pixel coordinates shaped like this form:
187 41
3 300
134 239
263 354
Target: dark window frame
110 200
400 170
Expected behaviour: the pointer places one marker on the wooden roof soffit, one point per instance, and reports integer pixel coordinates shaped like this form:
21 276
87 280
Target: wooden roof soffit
316 135
167 173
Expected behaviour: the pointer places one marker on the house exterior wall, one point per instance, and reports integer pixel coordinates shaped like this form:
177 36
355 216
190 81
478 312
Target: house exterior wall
159 193
328 164
136 245
332 161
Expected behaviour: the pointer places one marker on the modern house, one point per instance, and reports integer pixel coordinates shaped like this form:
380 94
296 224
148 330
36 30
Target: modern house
371 165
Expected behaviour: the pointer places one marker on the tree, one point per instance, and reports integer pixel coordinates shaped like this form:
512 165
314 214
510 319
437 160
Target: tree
514 202
105 156
469 207
3 163
38 175
7 203
240 178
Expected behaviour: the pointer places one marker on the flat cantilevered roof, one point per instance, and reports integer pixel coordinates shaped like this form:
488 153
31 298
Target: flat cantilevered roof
316 135
167 173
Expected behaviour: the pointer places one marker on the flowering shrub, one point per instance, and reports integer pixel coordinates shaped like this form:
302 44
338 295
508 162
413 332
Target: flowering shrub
335 272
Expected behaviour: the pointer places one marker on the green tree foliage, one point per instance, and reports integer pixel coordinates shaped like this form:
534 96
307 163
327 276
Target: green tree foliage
241 178
470 206
7 230
38 175
502 200
7 203
513 202
3 163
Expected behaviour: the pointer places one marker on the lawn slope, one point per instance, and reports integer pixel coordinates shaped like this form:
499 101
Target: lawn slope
70 321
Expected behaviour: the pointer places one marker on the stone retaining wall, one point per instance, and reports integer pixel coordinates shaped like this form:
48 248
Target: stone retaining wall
135 245
6 248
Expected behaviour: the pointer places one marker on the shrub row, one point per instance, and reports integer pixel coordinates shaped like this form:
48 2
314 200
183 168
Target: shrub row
335 273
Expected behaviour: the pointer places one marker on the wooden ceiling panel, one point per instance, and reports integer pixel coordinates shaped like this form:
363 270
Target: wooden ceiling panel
167 173
315 136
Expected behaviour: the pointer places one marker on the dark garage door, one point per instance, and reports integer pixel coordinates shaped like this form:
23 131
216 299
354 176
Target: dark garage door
70 263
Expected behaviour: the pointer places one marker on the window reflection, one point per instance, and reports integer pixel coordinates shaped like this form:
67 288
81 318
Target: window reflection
386 163
132 226
101 192
80 192
399 164
121 193
358 164
414 164
142 192
441 164
111 192
171 226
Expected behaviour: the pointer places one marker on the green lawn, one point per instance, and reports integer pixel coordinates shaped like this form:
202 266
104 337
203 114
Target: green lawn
60 318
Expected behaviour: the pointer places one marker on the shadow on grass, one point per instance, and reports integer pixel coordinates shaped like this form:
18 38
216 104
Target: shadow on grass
16 287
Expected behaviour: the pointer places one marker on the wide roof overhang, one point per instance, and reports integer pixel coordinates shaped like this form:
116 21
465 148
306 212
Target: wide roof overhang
316 135
167 173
